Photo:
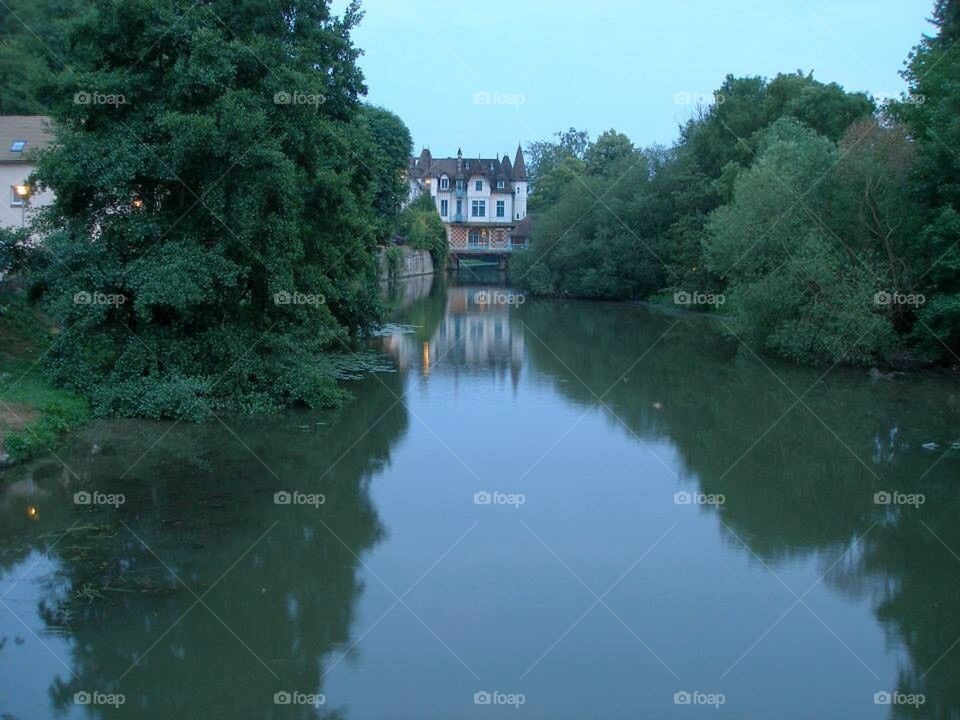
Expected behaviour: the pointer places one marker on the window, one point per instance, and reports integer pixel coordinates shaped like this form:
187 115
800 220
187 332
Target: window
479 208
444 207
18 145
501 208
479 185
474 238
459 184
15 199
499 184
459 208
444 183
518 190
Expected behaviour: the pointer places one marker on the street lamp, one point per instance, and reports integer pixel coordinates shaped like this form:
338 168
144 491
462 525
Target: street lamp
23 191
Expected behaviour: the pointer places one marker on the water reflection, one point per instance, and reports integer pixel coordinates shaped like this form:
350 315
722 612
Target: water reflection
799 458
200 593
798 455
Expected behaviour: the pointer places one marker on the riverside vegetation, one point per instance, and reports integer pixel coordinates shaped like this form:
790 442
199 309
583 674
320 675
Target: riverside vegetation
827 220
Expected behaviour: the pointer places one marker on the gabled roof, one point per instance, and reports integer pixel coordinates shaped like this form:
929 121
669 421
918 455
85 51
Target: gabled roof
31 130
426 166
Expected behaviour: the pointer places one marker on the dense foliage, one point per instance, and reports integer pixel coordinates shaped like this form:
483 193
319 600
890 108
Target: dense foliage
932 112
219 193
421 226
824 227
33 41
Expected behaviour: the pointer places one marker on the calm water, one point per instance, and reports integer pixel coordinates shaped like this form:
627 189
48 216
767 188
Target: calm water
585 587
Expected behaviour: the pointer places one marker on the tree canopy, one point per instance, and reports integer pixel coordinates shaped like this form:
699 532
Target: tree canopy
219 189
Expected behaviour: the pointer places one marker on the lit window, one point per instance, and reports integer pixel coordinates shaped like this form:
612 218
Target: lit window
478 208
501 208
479 185
16 199
444 207
18 145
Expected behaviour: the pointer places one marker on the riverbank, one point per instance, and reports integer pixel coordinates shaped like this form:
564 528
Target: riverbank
33 413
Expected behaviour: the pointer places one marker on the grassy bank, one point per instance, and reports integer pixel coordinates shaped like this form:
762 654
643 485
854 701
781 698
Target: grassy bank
33 413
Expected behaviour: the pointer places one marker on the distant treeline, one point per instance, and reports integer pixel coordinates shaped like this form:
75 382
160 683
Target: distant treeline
824 225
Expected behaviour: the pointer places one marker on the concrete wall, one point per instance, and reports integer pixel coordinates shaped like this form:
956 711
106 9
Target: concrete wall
413 262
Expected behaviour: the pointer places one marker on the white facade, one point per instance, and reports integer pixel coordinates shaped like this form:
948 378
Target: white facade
13 211
481 198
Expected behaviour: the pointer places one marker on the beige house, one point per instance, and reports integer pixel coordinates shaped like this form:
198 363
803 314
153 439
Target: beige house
20 137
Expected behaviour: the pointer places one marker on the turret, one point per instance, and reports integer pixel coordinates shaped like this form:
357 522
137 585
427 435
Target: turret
519 186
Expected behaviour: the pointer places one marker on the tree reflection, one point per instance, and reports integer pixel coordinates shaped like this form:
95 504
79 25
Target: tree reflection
278 583
799 476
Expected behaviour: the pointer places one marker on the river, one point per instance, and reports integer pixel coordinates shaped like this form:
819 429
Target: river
547 509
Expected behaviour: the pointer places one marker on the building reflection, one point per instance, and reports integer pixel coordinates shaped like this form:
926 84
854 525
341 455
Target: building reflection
468 329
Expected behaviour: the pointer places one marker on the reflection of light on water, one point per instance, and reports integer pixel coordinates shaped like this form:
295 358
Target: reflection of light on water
426 358
32 512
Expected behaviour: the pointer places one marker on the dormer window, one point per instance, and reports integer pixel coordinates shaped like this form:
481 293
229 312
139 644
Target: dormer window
479 185
444 183
500 184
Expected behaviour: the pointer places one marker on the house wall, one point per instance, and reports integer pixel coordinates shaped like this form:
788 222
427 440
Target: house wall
16 174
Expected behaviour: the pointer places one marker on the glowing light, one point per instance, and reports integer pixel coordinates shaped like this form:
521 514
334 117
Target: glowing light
137 203
32 513
22 190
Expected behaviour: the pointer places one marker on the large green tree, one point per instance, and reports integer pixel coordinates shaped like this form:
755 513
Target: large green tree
932 111
33 41
797 288
212 230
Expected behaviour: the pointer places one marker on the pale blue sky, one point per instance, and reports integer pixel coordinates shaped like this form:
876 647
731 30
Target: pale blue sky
544 65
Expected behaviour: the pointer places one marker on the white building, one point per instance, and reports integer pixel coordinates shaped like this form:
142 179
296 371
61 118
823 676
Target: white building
20 137
482 201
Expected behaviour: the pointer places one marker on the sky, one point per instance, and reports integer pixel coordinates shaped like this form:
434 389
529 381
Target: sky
486 76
